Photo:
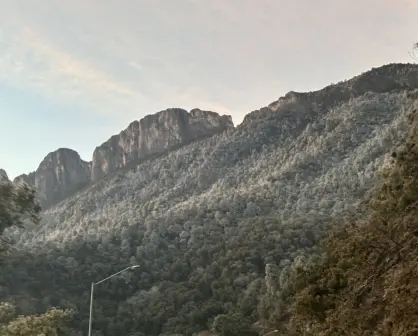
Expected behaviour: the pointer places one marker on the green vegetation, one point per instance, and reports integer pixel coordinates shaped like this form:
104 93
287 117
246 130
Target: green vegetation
18 205
367 282
47 324
226 230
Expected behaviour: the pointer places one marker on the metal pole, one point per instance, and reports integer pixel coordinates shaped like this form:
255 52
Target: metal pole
91 308
92 291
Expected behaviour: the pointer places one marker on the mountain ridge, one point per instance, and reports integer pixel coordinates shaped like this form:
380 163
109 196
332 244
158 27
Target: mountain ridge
54 179
218 224
111 155
381 79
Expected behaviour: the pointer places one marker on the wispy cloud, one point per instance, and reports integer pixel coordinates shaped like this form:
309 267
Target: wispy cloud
135 66
133 54
410 3
78 73
28 60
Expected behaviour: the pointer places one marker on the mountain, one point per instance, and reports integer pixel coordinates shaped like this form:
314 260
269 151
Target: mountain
217 224
59 174
155 134
63 172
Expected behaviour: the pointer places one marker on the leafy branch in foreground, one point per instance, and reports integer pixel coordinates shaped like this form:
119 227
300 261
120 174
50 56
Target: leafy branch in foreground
414 51
17 205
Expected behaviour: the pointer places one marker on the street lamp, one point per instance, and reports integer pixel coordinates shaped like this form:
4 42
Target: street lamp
98 282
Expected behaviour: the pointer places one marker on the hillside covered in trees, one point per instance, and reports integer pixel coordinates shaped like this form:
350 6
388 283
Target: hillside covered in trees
365 281
225 228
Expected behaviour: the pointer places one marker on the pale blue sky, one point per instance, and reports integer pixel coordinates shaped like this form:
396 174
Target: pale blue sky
74 72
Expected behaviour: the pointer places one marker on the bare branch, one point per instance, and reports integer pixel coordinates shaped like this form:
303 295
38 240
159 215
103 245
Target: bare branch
414 52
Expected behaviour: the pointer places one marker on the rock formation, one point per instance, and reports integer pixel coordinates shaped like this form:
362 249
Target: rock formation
155 134
63 172
60 173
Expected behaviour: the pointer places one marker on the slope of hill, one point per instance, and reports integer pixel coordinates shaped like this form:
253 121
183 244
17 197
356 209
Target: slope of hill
208 221
366 283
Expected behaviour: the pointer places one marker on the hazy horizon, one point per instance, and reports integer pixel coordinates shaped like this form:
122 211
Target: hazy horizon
75 73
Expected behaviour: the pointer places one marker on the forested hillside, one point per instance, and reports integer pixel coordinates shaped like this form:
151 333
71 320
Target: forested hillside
366 282
218 225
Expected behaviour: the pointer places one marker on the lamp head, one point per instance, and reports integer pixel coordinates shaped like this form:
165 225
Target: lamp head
133 267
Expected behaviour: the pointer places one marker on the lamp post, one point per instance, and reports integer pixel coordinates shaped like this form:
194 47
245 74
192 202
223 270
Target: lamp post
98 282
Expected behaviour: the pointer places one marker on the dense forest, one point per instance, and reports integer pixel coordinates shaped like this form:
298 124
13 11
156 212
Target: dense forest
226 230
365 280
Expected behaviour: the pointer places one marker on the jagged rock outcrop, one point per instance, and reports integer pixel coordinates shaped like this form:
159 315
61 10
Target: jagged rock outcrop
154 134
63 172
3 175
60 173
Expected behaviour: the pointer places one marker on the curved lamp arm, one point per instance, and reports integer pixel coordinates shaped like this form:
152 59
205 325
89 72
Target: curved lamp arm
111 276
92 291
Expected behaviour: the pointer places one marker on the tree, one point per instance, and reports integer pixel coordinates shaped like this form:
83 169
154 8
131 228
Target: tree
17 205
232 324
47 324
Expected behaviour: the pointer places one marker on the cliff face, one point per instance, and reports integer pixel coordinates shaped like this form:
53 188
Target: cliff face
154 134
63 172
59 174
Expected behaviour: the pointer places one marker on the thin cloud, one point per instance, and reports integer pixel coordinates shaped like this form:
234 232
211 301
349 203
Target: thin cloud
233 52
413 4
29 60
135 66
65 65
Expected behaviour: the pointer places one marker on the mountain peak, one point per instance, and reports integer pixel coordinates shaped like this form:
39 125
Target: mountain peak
154 134
59 174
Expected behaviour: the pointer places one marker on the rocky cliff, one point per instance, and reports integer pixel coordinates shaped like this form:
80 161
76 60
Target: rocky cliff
153 134
63 172
59 174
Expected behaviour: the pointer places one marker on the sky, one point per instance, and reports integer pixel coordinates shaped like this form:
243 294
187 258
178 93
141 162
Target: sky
75 72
